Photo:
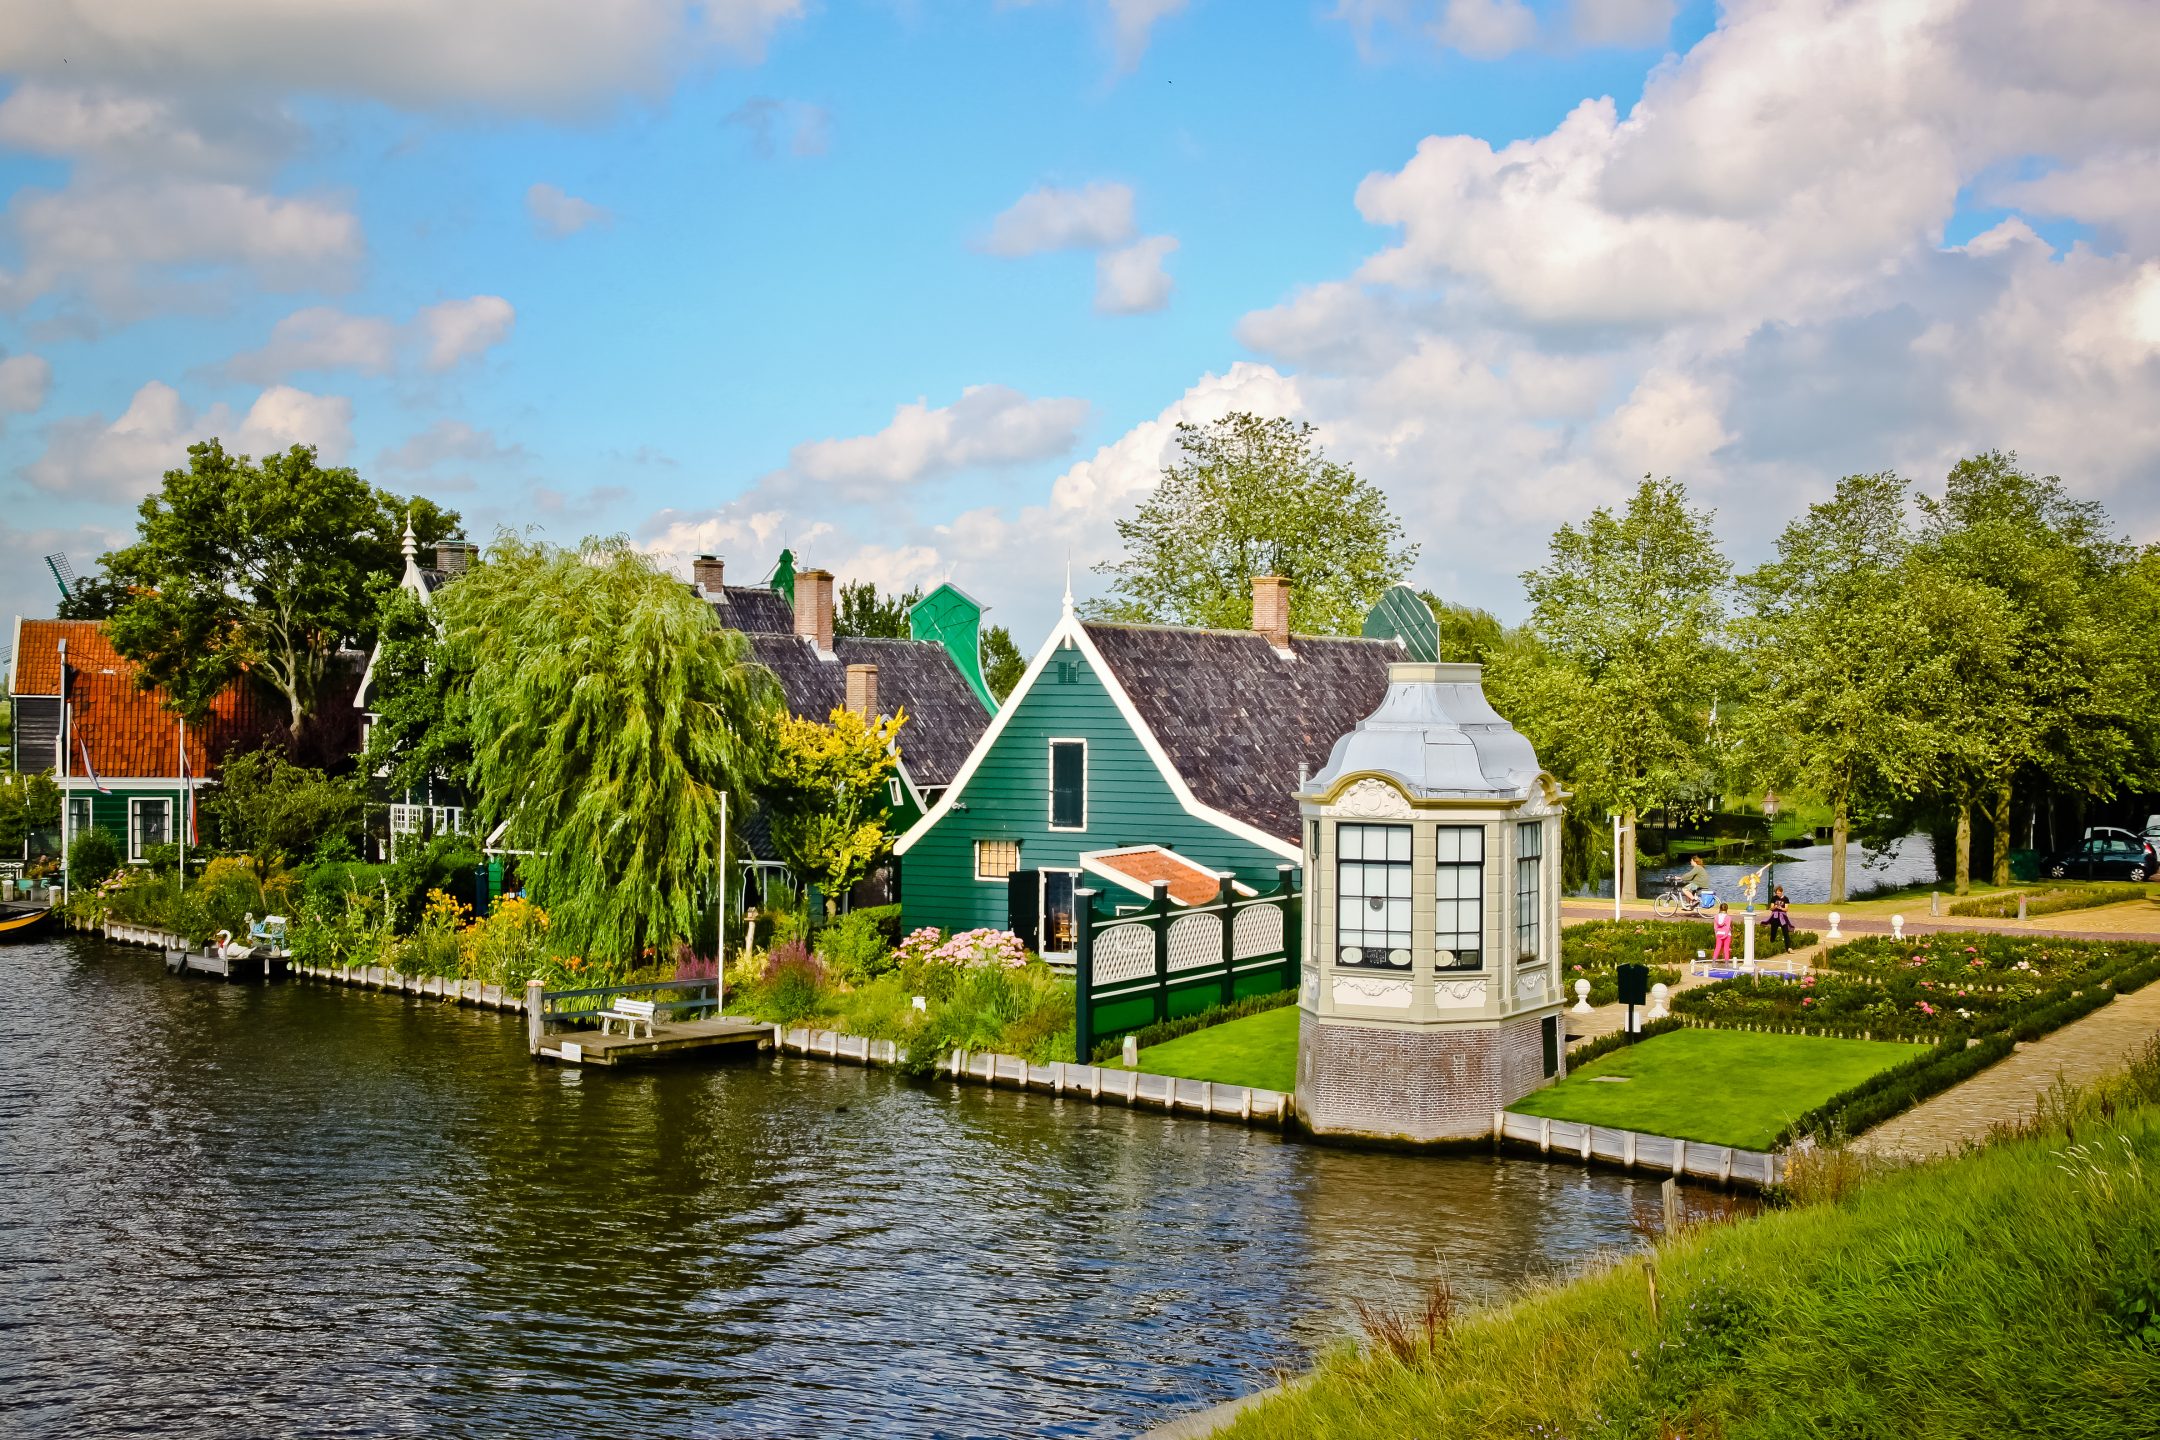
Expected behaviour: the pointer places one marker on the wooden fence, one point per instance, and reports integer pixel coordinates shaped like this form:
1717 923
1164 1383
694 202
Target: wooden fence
1166 960
1632 1150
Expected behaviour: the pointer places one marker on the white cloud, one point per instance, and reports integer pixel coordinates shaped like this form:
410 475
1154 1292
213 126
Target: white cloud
124 459
123 130
1049 218
1621 22
444 442
522 56
321 338
131 246
1132 24
459 329
1132 281
555 212
989 425
1486 29
2119 191
25 380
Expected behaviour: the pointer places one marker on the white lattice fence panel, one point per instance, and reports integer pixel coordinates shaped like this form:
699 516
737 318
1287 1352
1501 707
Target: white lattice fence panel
1123 952
1258 932
1195 940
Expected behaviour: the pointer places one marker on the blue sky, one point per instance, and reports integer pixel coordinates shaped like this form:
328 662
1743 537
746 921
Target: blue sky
722 275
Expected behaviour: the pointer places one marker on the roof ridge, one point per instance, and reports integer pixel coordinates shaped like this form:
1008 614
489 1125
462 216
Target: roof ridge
1224 630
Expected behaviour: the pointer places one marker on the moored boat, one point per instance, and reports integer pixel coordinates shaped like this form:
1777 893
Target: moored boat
23 922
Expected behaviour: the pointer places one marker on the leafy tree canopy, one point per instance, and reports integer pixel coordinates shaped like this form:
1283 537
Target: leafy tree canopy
1249 496
258 568
828 799
1616 684
277 813
609 710
418 696
1002 662
93 597
1467 634
863 611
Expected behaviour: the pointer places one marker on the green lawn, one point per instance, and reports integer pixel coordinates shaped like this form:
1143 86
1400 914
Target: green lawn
1259 1050
1725 1087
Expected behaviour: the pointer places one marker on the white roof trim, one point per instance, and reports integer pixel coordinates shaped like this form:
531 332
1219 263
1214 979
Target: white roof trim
1069 628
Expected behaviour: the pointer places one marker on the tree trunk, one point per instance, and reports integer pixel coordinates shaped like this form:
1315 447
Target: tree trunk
1964 848
2001 867
1840 834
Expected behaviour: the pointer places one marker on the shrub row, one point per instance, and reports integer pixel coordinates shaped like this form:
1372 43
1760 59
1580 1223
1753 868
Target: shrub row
1163 1030
1893 1091
1605 1044
2048 902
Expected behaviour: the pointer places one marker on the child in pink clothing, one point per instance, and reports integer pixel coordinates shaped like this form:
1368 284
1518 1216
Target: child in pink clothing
1722 928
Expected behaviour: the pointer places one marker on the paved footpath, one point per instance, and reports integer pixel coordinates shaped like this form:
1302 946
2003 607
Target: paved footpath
2009 1091
2134 920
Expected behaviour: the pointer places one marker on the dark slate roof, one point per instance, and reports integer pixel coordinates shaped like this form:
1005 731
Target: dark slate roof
755 610
944 717
1236 718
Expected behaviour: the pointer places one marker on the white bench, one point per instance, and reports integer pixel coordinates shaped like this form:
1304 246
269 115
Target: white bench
632 1013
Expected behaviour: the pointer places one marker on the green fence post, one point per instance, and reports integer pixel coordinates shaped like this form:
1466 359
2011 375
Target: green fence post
1293 923
1227 896
1084 977
1159 919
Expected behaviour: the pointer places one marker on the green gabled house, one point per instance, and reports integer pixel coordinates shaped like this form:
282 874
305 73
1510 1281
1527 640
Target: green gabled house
1130 753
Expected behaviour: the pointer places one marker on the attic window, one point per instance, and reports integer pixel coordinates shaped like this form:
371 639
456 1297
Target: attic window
1068 672
1068 784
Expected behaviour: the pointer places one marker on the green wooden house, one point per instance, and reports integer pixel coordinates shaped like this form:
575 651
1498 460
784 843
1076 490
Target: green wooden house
124 762
1133 753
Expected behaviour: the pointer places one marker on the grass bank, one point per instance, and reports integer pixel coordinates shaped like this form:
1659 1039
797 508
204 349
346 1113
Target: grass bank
2012 1291
1723 1087
1259 1050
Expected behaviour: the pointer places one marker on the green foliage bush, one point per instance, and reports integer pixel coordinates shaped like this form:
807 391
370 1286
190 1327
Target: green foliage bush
858 945
793 984
92 858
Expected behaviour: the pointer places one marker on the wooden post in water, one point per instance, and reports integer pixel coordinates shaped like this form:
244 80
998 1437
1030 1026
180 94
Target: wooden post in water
535 1021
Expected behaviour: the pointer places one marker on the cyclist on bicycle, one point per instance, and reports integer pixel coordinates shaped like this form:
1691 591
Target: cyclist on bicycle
1692 882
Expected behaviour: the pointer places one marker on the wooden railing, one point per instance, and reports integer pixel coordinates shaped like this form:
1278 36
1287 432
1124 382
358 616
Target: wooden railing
547 1009
1166 960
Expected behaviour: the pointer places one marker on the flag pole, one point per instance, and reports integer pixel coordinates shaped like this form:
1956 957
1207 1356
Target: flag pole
719 934
67 804
182 818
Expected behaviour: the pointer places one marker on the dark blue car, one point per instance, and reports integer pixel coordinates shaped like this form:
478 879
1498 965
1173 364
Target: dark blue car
2104 854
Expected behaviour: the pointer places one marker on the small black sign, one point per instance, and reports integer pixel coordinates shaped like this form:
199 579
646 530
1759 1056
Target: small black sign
1634 984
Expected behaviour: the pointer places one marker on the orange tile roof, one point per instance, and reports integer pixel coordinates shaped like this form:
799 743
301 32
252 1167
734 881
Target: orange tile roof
1190 883
127 731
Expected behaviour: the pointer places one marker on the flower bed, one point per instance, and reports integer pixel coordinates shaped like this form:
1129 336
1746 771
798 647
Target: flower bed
1596 949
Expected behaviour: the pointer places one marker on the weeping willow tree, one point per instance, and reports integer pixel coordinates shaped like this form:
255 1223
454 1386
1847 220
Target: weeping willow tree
608 712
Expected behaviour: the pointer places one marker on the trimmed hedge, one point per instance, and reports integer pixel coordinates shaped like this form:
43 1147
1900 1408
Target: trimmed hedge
1171 1029
2049 902
1899 1088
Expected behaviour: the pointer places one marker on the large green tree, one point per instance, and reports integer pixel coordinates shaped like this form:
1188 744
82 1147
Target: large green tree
258 568
864 611
1616 681
2065 708
828 800
277 813
418 697
609 711
1248 496
1846 669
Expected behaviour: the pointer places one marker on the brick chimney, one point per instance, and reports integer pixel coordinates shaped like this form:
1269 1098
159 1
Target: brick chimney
705 572
813 609
454 557
1271 609
862 691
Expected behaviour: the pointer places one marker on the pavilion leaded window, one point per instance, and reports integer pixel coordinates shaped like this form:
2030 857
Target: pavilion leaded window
1529 897
1458 895
1372 895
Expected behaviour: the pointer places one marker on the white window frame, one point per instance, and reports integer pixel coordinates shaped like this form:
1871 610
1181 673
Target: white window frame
1006 878
892 789
1530 909
1050 783
135 806
1042 912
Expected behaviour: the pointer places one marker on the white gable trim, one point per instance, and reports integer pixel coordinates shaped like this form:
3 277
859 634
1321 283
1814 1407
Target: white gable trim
1070 631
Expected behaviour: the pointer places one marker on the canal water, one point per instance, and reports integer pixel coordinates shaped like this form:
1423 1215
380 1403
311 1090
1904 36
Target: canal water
248 1211
1804 872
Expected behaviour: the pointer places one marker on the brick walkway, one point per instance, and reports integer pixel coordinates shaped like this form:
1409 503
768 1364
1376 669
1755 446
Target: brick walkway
2009 1091
2134 920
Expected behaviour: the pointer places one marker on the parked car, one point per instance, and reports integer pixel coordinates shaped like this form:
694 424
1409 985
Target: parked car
2104 854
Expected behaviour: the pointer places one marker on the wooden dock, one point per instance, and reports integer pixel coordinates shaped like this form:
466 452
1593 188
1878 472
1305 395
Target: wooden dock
669 1040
